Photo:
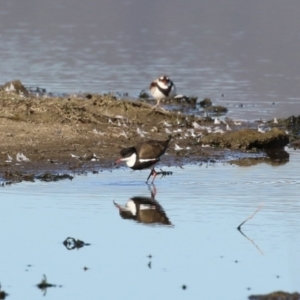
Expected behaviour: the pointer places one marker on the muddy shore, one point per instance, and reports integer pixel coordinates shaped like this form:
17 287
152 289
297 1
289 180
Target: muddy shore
85 133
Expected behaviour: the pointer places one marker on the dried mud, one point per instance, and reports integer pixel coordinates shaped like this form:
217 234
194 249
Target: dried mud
84 133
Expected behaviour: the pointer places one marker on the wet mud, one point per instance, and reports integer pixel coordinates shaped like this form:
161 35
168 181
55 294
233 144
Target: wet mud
46 138
279 295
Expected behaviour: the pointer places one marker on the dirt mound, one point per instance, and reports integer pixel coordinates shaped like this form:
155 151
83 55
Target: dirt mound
86 132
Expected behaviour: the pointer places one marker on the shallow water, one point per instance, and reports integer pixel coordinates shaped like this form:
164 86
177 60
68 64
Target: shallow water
202 250
245 50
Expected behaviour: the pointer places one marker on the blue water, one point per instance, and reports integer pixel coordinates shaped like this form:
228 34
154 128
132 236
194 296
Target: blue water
202 250
235 52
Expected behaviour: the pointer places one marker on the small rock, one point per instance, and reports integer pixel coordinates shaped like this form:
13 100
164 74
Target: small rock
205 103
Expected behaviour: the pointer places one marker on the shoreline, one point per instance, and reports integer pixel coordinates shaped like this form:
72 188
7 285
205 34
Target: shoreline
86 134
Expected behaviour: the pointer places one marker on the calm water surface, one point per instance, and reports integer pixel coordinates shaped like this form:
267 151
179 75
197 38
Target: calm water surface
247 51
202 250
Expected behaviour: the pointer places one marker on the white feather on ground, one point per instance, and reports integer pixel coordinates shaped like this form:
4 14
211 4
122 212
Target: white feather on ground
177 148
140 132
9 159
217 121
95 131
197 126
21 157
167 131
123 133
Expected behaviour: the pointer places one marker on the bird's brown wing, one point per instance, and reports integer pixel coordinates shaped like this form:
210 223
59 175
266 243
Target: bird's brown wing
153 85
152 149
154 214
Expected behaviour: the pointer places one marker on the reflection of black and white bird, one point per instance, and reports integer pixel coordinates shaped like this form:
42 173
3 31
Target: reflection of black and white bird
143 210
145 155
162 88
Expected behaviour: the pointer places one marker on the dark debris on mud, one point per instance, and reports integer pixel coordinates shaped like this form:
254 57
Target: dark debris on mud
15 177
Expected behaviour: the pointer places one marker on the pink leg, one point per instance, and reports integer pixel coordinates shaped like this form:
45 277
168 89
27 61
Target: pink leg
152 190
156 105
152 173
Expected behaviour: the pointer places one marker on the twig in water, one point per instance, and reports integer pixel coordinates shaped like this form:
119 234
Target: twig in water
251 241
239 227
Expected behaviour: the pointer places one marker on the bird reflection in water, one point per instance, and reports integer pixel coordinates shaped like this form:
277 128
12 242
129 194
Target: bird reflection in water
144 210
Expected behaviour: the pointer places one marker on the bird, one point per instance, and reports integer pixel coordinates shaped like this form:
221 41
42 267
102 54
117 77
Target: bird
162 88
143 210
145 155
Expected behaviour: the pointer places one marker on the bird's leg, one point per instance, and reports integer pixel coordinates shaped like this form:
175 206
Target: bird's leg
152 190
156 105
164 173
152 173
149 176
159 107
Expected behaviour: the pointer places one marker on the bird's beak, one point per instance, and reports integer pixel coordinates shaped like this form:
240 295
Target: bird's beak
117 161
119 206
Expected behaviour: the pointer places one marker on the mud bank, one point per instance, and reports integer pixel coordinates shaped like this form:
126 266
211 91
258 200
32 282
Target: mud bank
48 135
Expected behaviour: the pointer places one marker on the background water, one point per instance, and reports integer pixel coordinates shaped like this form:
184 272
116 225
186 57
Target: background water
202 250
247 51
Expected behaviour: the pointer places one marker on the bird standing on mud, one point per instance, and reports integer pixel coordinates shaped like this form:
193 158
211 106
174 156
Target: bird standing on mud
162 88
145 155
